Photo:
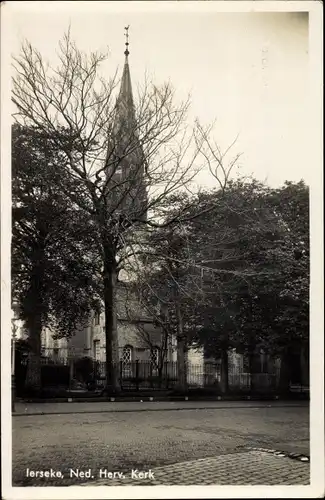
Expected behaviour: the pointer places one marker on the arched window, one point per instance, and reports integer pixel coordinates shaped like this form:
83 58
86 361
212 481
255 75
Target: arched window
154 360
127 356
154 357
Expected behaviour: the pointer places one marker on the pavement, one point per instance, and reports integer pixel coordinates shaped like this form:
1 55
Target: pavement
180 442
247 468
145 405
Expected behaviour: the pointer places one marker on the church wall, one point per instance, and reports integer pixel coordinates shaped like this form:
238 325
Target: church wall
130 334
195 356
235 361
87 340
90 340
79 344
48 342
57 348
195 367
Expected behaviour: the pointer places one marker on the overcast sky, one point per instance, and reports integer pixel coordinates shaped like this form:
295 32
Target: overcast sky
249 71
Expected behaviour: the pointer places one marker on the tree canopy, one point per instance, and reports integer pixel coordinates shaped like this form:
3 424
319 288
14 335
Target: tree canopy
54 258
241 268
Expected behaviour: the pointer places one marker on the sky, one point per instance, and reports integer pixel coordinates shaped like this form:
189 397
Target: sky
246 71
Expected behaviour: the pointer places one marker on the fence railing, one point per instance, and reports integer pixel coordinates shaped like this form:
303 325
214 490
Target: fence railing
141 375
85 373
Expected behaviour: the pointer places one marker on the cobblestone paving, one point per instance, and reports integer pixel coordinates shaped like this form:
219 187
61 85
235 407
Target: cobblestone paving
248 468
144 440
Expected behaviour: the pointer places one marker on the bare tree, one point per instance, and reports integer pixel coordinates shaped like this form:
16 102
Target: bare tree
127 159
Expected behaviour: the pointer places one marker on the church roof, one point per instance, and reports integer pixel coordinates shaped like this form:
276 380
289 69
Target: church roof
125 111
125 96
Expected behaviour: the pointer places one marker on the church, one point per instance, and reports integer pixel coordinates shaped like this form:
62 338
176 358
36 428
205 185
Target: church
138 336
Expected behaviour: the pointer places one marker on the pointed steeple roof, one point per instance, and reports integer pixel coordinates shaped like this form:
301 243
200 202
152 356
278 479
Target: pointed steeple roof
124 102
126 153
125 112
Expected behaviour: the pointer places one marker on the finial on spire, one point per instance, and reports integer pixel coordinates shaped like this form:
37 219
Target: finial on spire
126 34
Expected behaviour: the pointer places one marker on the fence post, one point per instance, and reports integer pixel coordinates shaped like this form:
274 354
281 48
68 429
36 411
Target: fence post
166 374
150 373
121 374
70 372
137 374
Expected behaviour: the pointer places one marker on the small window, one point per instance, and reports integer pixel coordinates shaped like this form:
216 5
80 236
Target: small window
96 350
97 318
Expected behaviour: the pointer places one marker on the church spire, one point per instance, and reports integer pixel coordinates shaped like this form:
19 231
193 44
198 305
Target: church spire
126 29
128 153
125 106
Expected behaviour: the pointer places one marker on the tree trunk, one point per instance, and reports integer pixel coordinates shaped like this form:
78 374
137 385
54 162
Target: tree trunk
252 368
224 385
285 372
160 375
304 365
162 358
33 374
181 351
112 359
181 346
181 365
34 310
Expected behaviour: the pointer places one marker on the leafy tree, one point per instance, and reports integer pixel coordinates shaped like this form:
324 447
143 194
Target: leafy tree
53 268
226 266
289 287
267 307
189 269
239 268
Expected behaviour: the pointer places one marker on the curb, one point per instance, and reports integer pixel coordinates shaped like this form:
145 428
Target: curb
278 453
131 410
137 399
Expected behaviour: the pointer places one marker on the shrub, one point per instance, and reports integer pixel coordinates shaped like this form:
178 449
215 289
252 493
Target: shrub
85 369
55 375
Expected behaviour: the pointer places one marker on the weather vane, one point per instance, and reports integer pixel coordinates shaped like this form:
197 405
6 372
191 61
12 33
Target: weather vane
126 29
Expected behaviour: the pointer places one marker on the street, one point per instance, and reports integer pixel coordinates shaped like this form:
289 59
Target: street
122 441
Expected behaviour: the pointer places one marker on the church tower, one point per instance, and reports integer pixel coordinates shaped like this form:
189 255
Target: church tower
126 164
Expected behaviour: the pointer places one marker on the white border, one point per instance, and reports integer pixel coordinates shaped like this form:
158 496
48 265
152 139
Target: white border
317 488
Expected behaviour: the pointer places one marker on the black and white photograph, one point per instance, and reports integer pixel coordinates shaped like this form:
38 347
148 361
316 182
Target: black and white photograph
161 250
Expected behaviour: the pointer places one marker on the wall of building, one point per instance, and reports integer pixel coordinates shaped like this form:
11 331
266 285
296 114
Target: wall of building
54 348
235 361
80 343
195 367
134 330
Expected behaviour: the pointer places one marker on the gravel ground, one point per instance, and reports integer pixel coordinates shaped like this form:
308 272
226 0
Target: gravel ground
143 440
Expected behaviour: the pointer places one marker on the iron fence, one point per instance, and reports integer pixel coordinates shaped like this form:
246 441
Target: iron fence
85 373
141 375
